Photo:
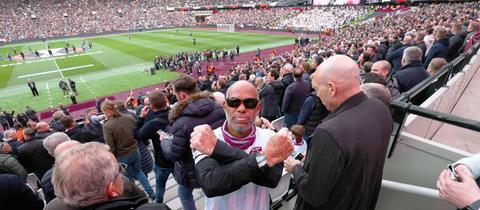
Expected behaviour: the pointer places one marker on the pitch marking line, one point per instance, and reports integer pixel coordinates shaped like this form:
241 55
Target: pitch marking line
89 88
50 59
55 61
49 96
54 71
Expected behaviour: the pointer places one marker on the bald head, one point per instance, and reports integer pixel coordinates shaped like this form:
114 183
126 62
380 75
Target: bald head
42 127
336 80
242 86
381 68
64 147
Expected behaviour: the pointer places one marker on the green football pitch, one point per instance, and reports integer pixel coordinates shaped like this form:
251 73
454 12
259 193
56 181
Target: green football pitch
114 64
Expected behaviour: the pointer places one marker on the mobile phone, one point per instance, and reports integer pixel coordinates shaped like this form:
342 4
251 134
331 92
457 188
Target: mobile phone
453 173
299 156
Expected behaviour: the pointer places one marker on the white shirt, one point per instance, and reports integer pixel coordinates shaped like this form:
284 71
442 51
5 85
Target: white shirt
248 197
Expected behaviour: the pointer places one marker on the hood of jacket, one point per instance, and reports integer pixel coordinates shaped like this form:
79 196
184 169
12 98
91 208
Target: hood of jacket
196 105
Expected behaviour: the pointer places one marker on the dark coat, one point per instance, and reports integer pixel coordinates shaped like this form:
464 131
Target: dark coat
47 186
196 109
455 44
10 165
410 75
35 158
439 49
395 58
15 194
270 97
344 162
81 135
57 126
294 97
147 129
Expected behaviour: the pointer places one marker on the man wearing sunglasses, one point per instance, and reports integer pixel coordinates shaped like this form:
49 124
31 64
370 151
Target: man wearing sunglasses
237 170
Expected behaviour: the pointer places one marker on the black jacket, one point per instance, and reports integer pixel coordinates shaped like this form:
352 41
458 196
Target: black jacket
294 97
455 44
410 75
147 129
344 162
196 109
15 194
47 186
81 135
229 168
439 49
35 158
270 97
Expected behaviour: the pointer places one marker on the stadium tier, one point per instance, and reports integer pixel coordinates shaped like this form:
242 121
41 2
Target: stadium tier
239 104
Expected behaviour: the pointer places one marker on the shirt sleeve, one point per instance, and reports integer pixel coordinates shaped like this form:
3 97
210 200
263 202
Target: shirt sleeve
324 163
473 163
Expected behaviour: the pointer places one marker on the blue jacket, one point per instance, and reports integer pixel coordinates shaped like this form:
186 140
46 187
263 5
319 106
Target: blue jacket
197 109
439 49
294 96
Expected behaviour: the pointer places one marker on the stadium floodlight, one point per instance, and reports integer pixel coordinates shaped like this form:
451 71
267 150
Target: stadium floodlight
226 27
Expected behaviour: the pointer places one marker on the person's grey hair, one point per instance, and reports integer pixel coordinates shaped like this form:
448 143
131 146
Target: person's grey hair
7 133
58 114
52 141
219 97
81 174
412 54
378 91
288 67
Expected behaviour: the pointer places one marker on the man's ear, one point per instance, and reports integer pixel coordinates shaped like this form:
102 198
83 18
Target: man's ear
332 88
113 189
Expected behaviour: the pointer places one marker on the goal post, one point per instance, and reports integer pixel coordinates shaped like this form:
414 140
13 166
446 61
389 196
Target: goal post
226 27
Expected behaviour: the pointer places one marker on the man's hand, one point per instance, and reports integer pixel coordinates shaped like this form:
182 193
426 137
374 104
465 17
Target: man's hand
144 111
203 139
289 163
279 147
459 193
6 148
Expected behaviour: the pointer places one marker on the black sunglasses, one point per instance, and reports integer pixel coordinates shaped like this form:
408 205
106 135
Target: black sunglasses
249 103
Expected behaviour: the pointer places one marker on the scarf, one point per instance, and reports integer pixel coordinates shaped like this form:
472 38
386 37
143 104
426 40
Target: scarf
241 143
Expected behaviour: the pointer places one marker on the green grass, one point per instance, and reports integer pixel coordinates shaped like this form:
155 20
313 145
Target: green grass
115 64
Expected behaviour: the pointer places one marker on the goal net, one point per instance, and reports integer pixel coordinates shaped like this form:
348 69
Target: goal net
226 27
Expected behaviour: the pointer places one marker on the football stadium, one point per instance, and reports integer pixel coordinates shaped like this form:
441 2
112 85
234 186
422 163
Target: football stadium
239 104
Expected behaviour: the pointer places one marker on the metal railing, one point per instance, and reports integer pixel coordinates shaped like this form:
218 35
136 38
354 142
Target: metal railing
408 102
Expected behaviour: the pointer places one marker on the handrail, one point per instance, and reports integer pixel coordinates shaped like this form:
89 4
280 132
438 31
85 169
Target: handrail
403 106
412 189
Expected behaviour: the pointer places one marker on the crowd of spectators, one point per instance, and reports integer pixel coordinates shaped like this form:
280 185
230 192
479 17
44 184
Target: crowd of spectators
253 17
47 19
193 3
331 17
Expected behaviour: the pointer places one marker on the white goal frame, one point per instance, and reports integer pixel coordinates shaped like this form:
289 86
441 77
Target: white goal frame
226 27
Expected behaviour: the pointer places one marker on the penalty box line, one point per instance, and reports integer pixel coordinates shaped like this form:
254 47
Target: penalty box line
55 71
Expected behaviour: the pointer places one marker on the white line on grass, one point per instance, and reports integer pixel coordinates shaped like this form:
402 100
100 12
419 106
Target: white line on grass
55 61
49 96
54 71
89 88
49 59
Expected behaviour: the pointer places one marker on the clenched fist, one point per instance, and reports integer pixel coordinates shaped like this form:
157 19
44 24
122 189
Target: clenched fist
279 147
203 139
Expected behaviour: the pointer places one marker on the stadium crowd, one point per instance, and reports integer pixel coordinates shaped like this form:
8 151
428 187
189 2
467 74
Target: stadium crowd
332 17
216 132
48 19
253 17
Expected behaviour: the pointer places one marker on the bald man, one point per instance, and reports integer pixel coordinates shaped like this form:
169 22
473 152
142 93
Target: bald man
237 170
383 68
344 162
